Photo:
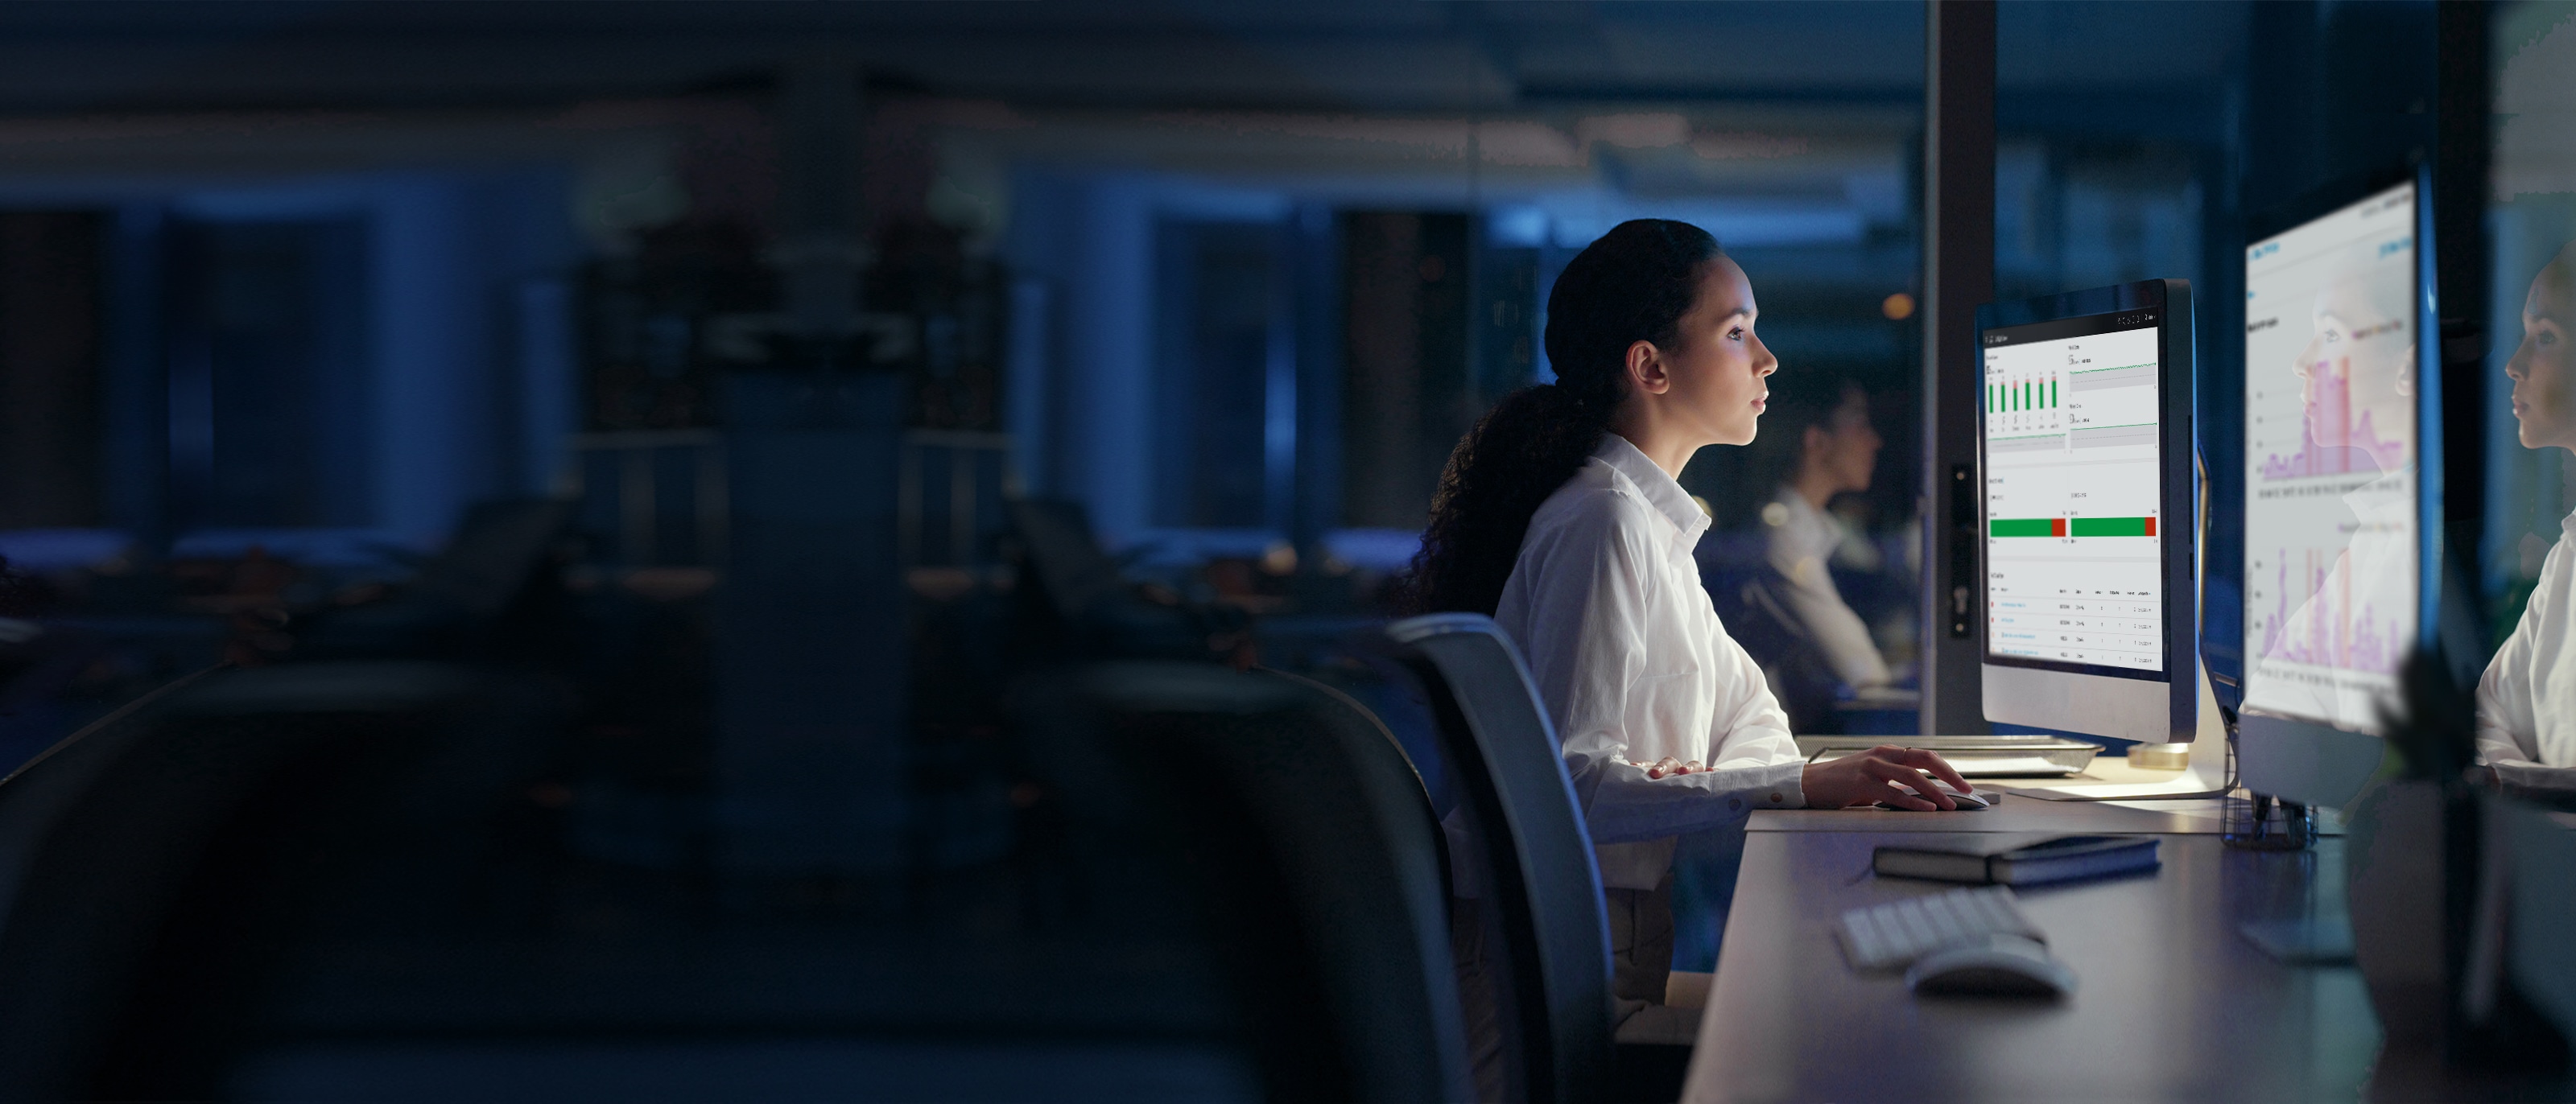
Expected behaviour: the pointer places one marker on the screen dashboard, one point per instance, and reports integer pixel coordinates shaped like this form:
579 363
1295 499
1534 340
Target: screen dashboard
2071 436
2330 462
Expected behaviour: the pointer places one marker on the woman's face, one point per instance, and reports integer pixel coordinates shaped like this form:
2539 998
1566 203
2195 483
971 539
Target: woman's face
1846 445
1717 371
2359 344
2544 380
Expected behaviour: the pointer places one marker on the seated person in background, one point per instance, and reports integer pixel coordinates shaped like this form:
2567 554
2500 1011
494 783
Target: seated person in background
1824 446
2527 701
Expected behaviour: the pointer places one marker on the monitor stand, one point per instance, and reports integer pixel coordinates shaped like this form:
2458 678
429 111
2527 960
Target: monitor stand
2205 777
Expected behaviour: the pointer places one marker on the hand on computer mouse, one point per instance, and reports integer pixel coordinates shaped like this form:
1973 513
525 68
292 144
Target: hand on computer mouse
1966 799
1864 779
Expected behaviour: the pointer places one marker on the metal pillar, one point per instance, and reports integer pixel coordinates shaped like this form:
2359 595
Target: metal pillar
2463 112
1958 274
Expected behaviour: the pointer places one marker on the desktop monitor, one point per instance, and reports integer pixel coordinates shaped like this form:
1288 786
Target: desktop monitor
2341 466
2084 452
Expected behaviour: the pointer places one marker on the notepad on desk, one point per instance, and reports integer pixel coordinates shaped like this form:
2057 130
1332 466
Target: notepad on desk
2015 859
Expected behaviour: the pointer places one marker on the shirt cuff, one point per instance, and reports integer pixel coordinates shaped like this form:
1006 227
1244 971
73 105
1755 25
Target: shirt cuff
1780 787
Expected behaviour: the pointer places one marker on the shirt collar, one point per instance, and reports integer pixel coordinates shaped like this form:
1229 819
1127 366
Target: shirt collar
1804 521
1660 490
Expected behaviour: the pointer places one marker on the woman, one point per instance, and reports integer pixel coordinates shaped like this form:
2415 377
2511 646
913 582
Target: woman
1831 450
1559 515
2527 700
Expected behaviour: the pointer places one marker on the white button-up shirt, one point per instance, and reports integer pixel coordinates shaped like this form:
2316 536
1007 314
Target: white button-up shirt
1803 540
2527 701
1632 664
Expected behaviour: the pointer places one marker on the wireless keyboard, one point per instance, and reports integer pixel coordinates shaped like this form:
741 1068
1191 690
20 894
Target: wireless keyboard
1893 935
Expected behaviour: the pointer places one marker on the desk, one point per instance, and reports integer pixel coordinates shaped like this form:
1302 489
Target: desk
2014 814
2173 1003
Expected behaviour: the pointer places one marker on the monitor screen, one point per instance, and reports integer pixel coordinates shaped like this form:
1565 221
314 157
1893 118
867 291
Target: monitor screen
2074 486
2330 497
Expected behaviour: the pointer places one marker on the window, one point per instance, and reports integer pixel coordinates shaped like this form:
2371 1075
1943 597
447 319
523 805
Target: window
1225 390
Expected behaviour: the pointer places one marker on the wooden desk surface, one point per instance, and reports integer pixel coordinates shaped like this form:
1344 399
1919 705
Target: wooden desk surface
2172 1003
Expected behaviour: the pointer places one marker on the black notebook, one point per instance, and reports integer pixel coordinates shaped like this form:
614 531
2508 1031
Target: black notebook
2017 859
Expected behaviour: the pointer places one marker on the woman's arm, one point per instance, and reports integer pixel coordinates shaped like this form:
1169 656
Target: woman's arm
1582 624
1866 778
1748 727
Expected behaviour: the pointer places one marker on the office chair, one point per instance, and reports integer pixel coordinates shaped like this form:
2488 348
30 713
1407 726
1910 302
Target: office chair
1566 1042
1416 824
154 865
1069 568
488 567
1304 833
1074 604
1542 881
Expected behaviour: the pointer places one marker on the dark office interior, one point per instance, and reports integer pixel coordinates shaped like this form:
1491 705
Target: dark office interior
769 550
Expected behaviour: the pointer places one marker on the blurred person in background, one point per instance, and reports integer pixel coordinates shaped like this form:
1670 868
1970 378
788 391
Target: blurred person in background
1823 446
2527 700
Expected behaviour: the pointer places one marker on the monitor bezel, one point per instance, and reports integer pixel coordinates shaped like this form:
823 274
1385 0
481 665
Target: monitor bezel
2272 222
2177 514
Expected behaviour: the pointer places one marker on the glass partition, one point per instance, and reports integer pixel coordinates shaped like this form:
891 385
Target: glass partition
2521 594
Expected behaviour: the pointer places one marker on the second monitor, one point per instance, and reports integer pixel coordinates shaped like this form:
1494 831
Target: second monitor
2085 445
2341 467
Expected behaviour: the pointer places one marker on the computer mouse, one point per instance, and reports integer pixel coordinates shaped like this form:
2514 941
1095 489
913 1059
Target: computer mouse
1973 799
1997 966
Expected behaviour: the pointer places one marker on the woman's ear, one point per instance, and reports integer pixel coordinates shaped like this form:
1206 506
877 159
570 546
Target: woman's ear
1646 370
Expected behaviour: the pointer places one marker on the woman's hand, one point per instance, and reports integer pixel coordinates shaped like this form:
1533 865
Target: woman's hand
1668 766
1883 773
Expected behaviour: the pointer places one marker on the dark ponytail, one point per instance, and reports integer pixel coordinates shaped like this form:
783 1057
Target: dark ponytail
1634 284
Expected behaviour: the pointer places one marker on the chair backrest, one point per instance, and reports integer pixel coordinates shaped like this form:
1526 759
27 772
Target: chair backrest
139 857
1414 828
1542 883
1302 829
497 547
1070 566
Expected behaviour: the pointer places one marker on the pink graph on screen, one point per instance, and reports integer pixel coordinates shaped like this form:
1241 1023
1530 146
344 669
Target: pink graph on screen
2335 444
2332 636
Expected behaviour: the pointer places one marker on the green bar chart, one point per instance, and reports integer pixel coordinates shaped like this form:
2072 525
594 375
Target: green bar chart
2072 527
2021 396
2025 527
2112 526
